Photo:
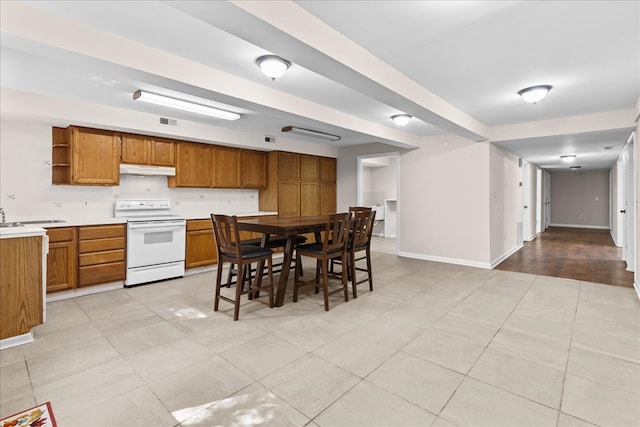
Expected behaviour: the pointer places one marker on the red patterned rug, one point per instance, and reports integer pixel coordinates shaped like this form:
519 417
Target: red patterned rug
39 416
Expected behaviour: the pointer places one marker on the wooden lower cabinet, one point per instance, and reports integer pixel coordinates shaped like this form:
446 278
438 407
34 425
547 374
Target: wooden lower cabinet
309 198
62 260
200 247
20 285
101 254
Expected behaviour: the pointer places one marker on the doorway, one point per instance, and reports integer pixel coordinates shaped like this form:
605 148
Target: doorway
377 181
628 204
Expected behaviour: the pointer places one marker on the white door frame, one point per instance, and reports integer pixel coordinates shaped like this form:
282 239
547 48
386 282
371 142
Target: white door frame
539 205
360 185
629 192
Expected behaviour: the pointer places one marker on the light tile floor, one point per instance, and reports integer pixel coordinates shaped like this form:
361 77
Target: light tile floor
433 345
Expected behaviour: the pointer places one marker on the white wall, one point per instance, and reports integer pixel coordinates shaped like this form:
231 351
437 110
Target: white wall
506 203
580 198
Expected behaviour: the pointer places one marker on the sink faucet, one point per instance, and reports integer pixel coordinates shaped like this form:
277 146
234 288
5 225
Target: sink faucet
2 215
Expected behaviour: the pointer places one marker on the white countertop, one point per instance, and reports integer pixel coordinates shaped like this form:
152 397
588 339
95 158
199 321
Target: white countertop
238 214
16 232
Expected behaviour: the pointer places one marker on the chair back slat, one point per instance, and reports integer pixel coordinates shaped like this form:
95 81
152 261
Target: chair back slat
227 235
355 209
336 232
362 227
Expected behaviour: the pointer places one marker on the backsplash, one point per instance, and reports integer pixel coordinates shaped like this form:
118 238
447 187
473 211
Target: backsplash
26 191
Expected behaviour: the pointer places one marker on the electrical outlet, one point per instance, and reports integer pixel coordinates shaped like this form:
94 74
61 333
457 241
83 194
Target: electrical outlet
58 204
46 162
85 203
202 196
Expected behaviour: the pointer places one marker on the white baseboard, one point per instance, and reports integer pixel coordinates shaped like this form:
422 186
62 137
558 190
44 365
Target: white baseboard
636 286
597 227
16 341
504 256
445 260
89 290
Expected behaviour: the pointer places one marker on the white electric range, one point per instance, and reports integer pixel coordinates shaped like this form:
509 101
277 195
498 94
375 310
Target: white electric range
155 240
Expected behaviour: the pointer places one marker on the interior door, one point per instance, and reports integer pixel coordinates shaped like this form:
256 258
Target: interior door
628 247
547 202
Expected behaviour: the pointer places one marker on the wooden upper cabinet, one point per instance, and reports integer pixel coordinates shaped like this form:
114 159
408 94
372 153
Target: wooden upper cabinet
135 149
254 169
144 150
193 165
288 165
328 169
309 167
162 152
226 167
95 157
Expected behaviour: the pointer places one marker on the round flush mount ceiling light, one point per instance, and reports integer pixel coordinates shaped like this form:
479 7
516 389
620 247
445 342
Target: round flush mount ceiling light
568 158
401 119
273 66
534 94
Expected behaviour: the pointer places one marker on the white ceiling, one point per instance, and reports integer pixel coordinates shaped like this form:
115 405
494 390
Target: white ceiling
454 65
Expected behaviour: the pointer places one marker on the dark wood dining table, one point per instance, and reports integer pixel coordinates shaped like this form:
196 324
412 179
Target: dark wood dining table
289 228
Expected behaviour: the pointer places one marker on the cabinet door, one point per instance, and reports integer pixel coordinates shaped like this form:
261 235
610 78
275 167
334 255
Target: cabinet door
226 167
309 198
135 149
62 267
96 157
328 169
254 169
288 165
309 167
200 248
162 152
288 198
193 165
327 198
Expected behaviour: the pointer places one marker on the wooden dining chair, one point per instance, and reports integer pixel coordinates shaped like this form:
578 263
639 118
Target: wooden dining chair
231 250
352 211
359 241
333 245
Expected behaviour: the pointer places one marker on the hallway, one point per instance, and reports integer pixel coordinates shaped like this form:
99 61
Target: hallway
574 253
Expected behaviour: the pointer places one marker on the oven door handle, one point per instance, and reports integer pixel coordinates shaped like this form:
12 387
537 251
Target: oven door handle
157 226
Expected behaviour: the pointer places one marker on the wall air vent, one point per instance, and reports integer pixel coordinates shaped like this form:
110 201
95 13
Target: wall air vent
170 122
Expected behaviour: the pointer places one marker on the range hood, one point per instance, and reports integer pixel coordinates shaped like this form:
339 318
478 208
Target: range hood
147 170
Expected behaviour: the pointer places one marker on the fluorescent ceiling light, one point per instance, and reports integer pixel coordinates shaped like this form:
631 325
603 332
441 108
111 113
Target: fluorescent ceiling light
179 104
568 158
574 167
311 133
273 66
534 94
401 119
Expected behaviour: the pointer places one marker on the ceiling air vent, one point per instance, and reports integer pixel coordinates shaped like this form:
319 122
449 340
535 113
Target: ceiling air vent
170 122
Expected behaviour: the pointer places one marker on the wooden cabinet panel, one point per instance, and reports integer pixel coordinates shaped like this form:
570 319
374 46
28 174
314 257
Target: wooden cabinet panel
327 198
101 273
328 169
289 198
62 259
309 198
193 166
162 153
20 285
254 169
288 165
200 247
309 167
226 167
135 149
96 157
101 251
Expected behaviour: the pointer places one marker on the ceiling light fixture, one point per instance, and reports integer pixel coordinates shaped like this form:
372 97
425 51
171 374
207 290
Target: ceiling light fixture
179 104
534 94
311 133
401 119
273 66
574 167
568 158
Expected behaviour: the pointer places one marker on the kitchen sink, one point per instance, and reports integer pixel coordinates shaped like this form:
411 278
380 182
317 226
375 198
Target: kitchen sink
32 222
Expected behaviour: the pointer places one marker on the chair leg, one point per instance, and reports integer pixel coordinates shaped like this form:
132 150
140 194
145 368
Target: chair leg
317 276
230 275
239 288
354 281
216 299
345 286
325 283
296 280
369 269
270 262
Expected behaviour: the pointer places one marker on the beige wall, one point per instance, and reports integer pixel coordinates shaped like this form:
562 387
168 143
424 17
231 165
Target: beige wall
580 199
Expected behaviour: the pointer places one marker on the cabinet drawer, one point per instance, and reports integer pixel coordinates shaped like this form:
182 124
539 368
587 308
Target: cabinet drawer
101 231
99 245
101 257
102 273
199 224
65 234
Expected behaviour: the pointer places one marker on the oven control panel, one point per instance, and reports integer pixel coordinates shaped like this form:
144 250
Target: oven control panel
122 205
